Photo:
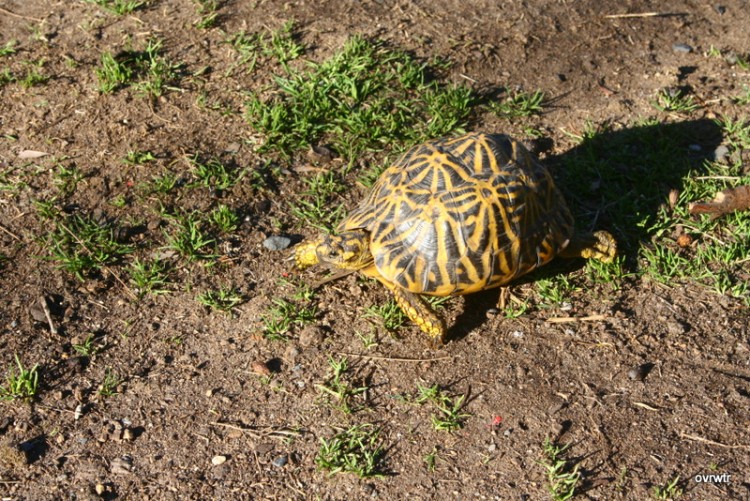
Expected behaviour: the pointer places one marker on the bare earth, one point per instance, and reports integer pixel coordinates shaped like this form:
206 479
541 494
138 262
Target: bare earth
188 387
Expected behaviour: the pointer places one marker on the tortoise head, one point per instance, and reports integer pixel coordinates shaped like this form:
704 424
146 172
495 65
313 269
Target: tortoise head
349 251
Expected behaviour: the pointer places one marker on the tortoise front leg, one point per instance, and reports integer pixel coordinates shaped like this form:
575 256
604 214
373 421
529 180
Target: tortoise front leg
421 314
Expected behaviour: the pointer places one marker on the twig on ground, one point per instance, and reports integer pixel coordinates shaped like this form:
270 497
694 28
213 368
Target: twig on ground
48 314
696 438
394 359
588 318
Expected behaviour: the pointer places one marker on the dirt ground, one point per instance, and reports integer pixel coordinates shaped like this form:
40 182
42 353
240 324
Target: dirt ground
655 386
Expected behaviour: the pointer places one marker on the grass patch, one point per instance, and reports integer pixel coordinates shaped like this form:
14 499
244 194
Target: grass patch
162 184
225 220
213 174
86 348
208 12
450 416
280 44
356 450
9 48
224 299
674 100
34 75
669 491
20 383
119 7
137 157
519 104
342 392
388 314
188 237
283 316
316 206
147 72
149 277
108 387
562 476
366 97
80 244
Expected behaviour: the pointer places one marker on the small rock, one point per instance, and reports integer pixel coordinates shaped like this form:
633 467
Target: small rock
682 48
100 489
128 434
264 448
640 372
78 412
311 335
122 465
566 306
37 312
276 243
291 353
261 368
11 456
684 240
281 461
517 334
217 460
675 328
720 153
492 447
320 154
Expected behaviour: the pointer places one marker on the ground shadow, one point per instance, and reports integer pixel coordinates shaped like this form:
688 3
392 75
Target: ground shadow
617 180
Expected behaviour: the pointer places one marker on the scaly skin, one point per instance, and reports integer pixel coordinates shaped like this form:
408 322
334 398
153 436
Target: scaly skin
421 314
600 245
305 255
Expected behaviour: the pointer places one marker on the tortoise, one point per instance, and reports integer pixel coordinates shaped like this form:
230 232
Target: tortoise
455 216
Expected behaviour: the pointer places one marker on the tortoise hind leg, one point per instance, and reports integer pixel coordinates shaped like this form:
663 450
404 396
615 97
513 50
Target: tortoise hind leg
600 245
421 314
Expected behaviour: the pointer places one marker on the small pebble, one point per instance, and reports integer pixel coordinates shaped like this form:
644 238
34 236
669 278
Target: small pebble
640 372
276 243
682 48
517 334
311 335
684 240
291 353
217 460
100 489
720 153
261 368
127 434
280 461
122 465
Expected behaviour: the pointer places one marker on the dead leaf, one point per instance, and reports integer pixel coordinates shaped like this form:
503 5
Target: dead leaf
724 202
27 154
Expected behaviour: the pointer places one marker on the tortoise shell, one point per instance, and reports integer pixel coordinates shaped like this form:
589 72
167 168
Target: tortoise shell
455 216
